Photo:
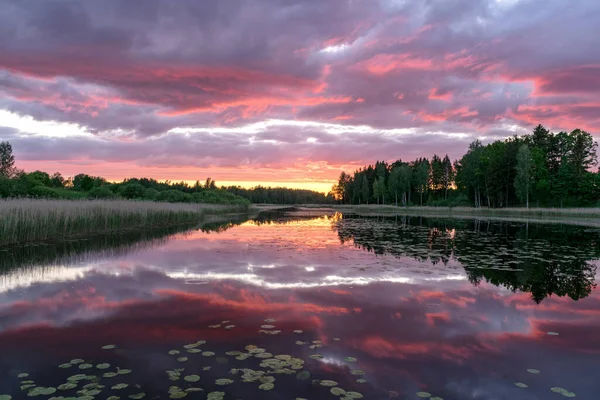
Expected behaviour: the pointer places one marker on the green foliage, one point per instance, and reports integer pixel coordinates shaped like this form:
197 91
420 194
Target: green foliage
524 174
132 191
174 196
101 192
43 192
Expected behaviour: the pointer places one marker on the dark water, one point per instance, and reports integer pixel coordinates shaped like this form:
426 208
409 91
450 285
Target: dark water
458 309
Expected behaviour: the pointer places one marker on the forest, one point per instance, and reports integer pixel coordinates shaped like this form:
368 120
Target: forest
16 183
541 169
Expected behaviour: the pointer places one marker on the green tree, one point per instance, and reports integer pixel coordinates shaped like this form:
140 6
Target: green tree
583 152
447 175
405 172
365 191
421 176
524 174
7 159
394 183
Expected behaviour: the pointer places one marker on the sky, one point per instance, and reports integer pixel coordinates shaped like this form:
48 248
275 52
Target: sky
281 92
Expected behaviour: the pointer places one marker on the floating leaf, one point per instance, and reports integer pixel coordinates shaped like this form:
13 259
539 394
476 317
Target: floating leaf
194 351
182 359
103 366
230 327
354 395
5 397
328 383
267 326
208 353
77 377
223 381
423 394
562 391
85 366
77 361
298 331
521 384
65 365
67 386
109 374
436 398
337 391
109 347
266 386
119 386
192 378
113 398
315 356
173 352
178 395
124 371
357 372
23 375
214 326
216 395
350 359
137 396
304 375
361 380
533 371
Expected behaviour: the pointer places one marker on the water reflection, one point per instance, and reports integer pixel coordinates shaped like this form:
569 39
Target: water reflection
543 260
405 310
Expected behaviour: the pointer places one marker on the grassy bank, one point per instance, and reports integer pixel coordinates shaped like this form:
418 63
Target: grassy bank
593 213
26 221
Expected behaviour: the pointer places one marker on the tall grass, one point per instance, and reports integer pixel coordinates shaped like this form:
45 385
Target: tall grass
24 220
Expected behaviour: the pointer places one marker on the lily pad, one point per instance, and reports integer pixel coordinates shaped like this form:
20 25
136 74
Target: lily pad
328 383
77 361
65 365
194 351
109 347
23 375
137 396
521 384
119 386
357 372
109 374
215 395
124 371
230 327
350 359
337 391
178 395
304 375
361 380
67 386
103 366
562 391
298 331
182 359
354 395
173 352
85 366
423 395
266 386
192 378
223 381
208 353
5 397
533 371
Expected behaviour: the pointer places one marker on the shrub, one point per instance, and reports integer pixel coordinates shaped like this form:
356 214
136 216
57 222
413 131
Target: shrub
132 191
174 196
101 192
43 192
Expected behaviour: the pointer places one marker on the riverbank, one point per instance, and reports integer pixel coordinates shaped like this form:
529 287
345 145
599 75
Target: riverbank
24 221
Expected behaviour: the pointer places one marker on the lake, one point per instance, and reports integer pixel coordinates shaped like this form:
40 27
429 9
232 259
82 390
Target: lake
310 304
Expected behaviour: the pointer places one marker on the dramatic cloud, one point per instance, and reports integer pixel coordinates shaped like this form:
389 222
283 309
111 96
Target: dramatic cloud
233 88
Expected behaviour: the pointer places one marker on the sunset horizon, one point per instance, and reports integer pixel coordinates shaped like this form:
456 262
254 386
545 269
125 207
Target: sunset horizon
196 90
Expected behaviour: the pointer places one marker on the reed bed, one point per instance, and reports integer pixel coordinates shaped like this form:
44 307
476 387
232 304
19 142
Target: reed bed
25 220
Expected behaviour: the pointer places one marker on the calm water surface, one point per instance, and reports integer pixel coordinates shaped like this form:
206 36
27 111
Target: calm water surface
382 308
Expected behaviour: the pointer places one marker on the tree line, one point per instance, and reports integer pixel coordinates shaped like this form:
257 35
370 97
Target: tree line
543 169
38 184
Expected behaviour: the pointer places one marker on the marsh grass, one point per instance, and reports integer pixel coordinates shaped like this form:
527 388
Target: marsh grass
27 221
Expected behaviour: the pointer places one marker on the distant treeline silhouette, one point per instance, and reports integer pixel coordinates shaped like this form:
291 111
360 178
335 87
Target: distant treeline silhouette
543 169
